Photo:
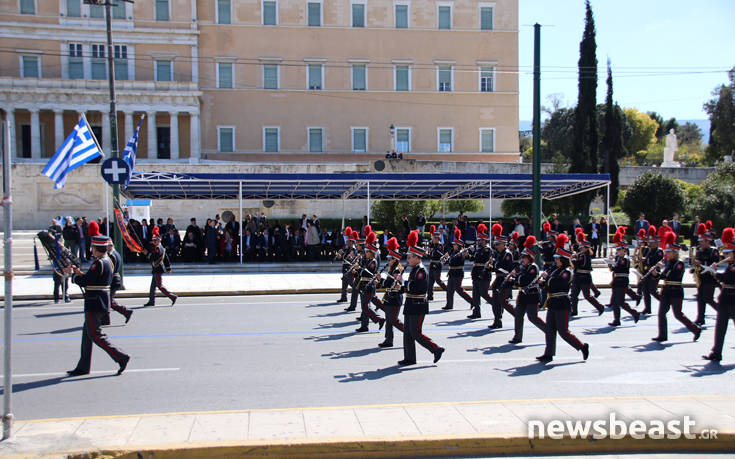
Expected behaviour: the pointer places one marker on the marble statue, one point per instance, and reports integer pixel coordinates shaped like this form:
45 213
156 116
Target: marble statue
670 150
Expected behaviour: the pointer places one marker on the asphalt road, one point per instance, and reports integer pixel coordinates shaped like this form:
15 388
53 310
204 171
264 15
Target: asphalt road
280 351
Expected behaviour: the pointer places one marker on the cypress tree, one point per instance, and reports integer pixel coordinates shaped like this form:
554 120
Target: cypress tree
611 146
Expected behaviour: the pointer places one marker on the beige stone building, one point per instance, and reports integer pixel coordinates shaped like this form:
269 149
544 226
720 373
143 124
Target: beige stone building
268 80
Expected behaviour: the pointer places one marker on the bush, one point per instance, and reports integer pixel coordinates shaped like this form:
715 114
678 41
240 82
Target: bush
655 195
717 199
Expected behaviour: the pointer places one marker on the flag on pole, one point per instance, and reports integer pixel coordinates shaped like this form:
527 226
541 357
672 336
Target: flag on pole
131 149
79 148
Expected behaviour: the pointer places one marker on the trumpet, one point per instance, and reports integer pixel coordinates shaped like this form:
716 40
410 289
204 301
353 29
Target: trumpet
449 255
713 270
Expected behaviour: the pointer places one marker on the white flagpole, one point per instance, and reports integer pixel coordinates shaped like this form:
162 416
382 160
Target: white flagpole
107 207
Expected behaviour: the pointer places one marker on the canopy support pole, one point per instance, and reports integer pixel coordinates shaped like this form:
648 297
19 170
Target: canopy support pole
239 196
368 203
490 212
343 214
607 232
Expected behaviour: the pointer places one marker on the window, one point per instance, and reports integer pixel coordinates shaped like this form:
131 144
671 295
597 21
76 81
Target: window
445 140
359 77
76 62
315 14
403 80
487 79
225 139
161 10
224 75
27 6
445 17
99 64
164 72
403 140
315 76
96 11
269 13
118 11
271 139
223 12
359 140
486 18
444 76
401 16
73 8
316 144
358 15
270 76
121 62
30 67
487 140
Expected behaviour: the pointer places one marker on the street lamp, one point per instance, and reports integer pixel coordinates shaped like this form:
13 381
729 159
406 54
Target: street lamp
391 154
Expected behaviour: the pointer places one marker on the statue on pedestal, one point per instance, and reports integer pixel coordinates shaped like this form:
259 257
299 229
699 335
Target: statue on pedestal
670 150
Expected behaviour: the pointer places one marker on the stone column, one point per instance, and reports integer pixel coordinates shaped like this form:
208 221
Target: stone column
128 129
58 128
106 136
194 137
152 139
174 124
11 121
35 134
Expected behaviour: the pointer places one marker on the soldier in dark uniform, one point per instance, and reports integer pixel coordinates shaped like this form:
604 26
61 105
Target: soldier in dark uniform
416 307
116 284
436 252
672 293
480 273
392 299
502 266
96 283
356 266
726 300
650 278
526 278
366 285
159 263
583 276
620 267
706 255
61 280
557 283
456 271
348 254
547 254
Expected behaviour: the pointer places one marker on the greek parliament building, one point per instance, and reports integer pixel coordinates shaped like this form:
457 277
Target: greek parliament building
267 81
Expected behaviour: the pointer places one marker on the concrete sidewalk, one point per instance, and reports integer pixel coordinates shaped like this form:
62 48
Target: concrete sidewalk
431 429
192 284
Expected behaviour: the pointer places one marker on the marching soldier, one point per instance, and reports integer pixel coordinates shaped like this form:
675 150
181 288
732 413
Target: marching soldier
526 277
650 278
347 255
436 252
116 284
583 276
726 300
620 267
672 293
416 307
503 265
480 273
548 250
366 285
455 260
356 268
159 263
392 299
557 283
706 255
96 282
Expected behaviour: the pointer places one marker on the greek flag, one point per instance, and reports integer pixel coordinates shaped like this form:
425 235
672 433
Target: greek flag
79 148
131 149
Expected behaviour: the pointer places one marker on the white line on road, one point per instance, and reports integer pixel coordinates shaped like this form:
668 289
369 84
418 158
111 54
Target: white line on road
132 370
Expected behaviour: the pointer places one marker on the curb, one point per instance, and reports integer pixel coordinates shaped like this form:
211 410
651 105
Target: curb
424 447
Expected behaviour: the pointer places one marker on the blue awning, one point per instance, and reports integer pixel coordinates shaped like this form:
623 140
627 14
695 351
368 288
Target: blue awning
386 186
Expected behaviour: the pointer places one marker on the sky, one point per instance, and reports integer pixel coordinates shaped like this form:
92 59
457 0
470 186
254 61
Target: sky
655 48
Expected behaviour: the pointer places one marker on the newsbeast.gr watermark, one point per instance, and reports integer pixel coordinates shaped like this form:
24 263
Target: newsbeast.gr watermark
615 428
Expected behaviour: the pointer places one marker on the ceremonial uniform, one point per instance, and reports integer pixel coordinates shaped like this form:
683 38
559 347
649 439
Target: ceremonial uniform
527 301
116 284
366 288
620 270
707 282
415 309
347 258
503 265
557 317
547 254
436 251
672 295
725 309
454 279
650 277
392 301
96 283
480 279
582 282
159 263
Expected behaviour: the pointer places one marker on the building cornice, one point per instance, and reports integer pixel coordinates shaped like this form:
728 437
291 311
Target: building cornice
59 32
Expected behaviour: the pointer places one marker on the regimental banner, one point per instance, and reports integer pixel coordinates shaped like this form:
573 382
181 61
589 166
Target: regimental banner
130 239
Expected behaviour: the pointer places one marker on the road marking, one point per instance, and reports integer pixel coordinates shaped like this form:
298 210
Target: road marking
132 370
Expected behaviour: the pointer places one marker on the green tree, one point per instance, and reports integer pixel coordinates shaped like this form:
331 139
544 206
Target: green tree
557 133
721 111
387 214
465 206
611 145
584 157
656 195
689 133
643 131
717 200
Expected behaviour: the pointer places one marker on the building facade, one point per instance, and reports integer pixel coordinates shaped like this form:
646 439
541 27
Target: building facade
268 80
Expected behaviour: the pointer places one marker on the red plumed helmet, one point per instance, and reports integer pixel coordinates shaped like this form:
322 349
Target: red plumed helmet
413 238
515 236
617 238
669 239
482 228
708 225
622 230
662 230
368 229
547 227
348 231
497 230
728 235
701 229
156 232
392 244
94 229
651 231
579 230
561 241
641 233
580 236
370 239
457 234
530 242
432 229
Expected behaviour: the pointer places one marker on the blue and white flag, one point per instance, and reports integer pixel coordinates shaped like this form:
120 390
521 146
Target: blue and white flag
79 148
131 149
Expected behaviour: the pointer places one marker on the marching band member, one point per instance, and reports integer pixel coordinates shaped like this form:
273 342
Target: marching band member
706 255
620 267
354 272
436 252
159 263
347 255
526 277
480 275
726 300
365 285
583 276
502 266
649 281
455 260
392 299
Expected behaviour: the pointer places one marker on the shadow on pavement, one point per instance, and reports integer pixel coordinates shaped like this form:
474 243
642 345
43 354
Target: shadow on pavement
473 333
503 349
53 332
707 369
336 325
331 314
355 353
58 314
535 368
319 339
602 330
650 346
378 374
21 387
320 305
